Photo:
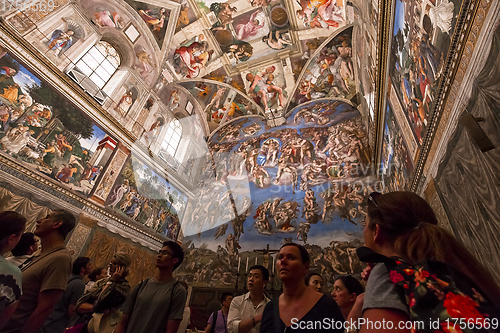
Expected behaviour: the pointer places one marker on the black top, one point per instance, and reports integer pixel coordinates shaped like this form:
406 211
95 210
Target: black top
325 316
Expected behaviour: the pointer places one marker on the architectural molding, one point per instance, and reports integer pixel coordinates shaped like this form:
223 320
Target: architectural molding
458 44
51 191
385 27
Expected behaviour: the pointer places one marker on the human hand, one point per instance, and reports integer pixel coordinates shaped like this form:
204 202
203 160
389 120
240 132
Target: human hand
117 275
366 272
357 308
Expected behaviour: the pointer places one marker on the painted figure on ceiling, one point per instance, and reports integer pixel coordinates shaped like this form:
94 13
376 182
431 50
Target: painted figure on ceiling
256 22
105 18
147 65
320 13
60 41
265 89
242 51
275 41
224 13
174 100
191 58
183 19
155 21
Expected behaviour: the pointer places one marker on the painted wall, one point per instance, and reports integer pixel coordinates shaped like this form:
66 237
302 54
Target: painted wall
467 180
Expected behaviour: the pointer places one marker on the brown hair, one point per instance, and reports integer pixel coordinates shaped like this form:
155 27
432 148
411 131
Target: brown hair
11 223
410 221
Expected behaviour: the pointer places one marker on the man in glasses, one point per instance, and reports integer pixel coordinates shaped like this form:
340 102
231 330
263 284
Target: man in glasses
157 304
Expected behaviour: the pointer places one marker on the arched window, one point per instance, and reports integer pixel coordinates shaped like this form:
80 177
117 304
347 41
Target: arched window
99 63
172 137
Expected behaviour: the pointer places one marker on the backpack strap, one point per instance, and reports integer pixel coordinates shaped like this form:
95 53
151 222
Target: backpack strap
214 320
141 286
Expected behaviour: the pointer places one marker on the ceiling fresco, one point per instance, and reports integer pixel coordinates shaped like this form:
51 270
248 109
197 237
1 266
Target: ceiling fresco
237 67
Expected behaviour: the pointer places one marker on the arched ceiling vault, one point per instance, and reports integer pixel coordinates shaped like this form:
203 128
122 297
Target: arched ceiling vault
236 58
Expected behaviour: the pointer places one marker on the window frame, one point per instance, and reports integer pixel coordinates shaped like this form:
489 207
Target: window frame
85 66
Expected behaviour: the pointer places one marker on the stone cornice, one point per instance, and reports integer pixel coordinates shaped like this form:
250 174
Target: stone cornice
47 189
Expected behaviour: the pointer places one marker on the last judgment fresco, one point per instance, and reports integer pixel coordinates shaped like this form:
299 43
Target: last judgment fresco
305 179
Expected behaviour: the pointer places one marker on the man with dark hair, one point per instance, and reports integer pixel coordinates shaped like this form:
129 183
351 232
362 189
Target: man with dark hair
157 304
66 306
45 276
245 312
217 323
24 249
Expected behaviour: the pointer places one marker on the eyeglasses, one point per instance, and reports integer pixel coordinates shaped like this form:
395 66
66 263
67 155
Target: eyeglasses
164 253
372 197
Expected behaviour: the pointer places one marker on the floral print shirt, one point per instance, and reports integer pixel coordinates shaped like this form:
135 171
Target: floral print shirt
10 283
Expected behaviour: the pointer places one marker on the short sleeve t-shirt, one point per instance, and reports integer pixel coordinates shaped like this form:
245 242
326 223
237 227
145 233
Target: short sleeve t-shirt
46 272
220 323
10 283
380 291
59 319
151 305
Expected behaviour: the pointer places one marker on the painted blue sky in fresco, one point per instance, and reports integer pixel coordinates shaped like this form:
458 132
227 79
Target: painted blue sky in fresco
322 233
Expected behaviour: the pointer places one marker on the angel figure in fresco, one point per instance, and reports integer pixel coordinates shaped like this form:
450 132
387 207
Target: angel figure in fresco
275 41
192 58
154 21
320 13
105 18
252 27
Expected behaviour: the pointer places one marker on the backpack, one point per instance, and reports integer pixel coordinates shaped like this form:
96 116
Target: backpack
438 296
214 318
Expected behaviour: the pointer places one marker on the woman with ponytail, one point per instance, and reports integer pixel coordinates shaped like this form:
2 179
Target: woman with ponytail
402 225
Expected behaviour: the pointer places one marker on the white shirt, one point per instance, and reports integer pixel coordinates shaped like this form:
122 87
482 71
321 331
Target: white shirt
243 308
18 260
